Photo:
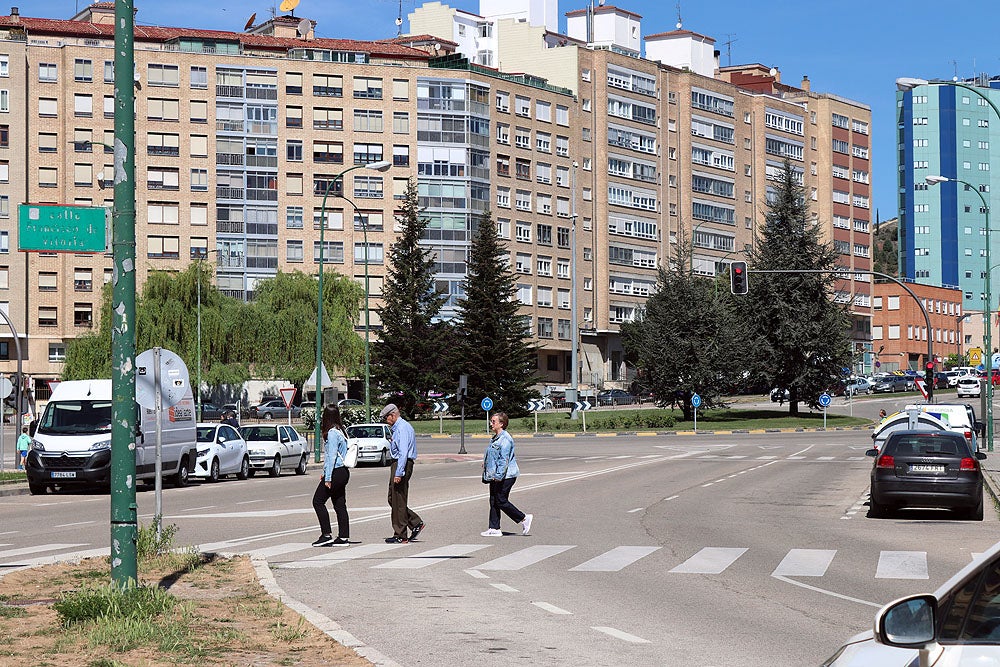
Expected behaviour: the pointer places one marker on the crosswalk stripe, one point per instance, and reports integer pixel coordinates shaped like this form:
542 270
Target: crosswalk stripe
37 549
902 565
766 458
340 555
525 557
551 608
616 559
431 557
824 458
279 549
618 634
710 560
805 563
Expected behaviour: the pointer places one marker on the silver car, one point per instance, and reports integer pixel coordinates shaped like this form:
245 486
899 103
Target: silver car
373 442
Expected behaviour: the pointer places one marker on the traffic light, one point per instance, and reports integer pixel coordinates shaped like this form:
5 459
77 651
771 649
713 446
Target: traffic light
738 278
929 379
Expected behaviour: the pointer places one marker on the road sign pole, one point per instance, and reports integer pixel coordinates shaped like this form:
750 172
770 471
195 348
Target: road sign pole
536 421
158 401
824 417
696 420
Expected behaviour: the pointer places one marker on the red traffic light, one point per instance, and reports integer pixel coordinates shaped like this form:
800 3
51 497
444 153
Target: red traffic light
929 366
738 283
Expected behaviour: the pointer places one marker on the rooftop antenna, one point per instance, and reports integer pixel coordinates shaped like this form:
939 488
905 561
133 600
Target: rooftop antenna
680 23
399 20
729 48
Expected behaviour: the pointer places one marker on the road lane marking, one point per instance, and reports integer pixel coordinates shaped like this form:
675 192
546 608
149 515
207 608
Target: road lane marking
637 509
525 557
805 563
877 605
77 523
710 560
618 634
615 560
551 608
428 558
672 497
36 549
902 565
505 588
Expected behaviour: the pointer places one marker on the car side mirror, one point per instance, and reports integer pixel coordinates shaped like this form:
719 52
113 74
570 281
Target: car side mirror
871 452
907 623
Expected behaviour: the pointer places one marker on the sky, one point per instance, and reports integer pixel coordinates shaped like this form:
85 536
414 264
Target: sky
852 48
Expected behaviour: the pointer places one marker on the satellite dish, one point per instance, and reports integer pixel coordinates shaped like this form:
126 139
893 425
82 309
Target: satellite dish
253 17
288 5
304 25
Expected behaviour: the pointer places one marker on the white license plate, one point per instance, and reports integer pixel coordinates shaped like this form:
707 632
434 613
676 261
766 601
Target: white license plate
64 475
918 467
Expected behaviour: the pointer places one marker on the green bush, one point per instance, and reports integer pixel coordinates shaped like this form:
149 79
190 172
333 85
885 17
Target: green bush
111 601
148 545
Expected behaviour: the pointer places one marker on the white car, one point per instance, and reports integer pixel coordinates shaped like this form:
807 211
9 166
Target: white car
957 626
968 385
275 448
221 451
373 442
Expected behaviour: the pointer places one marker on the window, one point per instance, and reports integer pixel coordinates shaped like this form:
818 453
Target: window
367 153
524 294
400 122
503 101
4 65
293 116
545 327
400 89
367 88
47 281
368 187
293 150
163 75
199 180
326 85
163 247
4 277
522 231
543 111
48 316
47 72
159 109
522 263
47 177
328 152
545 297
368 120
294 251
522 106
83 315
328 119
48 107
199 111
199 77
333 251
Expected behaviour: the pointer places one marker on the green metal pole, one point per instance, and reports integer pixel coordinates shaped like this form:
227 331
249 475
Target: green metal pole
124 567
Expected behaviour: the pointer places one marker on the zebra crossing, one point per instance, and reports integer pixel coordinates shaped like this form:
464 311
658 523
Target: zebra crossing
709 560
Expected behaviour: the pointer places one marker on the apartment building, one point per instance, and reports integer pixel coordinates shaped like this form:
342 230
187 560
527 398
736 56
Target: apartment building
900 331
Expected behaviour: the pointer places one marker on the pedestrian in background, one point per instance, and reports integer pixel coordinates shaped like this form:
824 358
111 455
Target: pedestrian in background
403 450
333 484
23 445
230 418
501 471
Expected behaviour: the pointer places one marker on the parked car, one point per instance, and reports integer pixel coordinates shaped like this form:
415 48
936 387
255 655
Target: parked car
960 417
941 380
893 383
957 624
926 469
221 451
273 408
211 412
350 403
615 397
779 395
373 442
275 448
995 375
953 377
857 385
968 386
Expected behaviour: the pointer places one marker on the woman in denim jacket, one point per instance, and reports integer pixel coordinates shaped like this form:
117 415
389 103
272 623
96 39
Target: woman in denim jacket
500 469
333 483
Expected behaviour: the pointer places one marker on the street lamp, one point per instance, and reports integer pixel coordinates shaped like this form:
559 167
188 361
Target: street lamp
988 338
381 165
364 231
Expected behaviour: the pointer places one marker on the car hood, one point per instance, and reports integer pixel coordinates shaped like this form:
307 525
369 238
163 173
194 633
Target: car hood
862 650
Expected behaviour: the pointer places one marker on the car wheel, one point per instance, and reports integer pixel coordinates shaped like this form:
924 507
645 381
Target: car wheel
244 472
301 468
37 489
976 513
383 460
251 473
213 471
268 416
275 468
877 510
182 478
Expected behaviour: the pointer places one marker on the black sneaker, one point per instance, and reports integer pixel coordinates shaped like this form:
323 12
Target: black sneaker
416 531
323 541
396 540
340 542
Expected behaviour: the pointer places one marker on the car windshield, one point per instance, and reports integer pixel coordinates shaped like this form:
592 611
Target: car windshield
259 432
364 432
206 434
76 417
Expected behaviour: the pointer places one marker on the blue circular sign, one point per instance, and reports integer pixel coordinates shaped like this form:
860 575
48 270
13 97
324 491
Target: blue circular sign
696 400
487 404
824 399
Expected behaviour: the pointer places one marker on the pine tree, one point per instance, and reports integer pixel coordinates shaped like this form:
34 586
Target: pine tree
494 348
797 334
410 358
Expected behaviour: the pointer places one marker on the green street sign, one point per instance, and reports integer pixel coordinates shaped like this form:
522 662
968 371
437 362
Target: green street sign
51 228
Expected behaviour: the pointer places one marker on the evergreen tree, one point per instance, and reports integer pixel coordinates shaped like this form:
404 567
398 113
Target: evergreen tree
410 358
797 335
680 343
494 350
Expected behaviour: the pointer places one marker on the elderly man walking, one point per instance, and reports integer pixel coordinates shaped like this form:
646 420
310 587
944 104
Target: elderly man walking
403 451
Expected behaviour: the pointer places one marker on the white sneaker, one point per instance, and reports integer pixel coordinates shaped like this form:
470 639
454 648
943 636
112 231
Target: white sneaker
492 532
527 523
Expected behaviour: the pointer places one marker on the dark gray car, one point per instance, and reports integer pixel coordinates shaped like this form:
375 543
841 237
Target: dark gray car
893 383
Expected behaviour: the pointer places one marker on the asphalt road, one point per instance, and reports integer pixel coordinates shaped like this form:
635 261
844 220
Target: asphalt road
672 550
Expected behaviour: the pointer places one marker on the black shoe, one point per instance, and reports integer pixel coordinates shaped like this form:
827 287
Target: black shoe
396 540
323 541
340 542
416 531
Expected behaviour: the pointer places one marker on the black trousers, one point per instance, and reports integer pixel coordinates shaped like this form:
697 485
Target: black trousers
499 490
338 494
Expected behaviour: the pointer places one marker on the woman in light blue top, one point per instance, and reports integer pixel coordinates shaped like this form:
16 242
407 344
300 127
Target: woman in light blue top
500 469
333 484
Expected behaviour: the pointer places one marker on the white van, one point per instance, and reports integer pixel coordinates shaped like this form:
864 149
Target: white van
960 417
72 443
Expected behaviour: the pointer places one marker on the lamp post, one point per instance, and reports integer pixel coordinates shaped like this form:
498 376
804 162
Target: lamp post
364 231
573 395
988 337
381 165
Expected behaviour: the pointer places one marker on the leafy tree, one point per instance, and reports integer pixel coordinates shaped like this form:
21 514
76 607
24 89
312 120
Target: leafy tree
492 336
797 335
680 343
410 358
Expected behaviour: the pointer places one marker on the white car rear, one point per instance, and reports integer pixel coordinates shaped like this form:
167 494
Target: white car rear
373 442
275 447
968 386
